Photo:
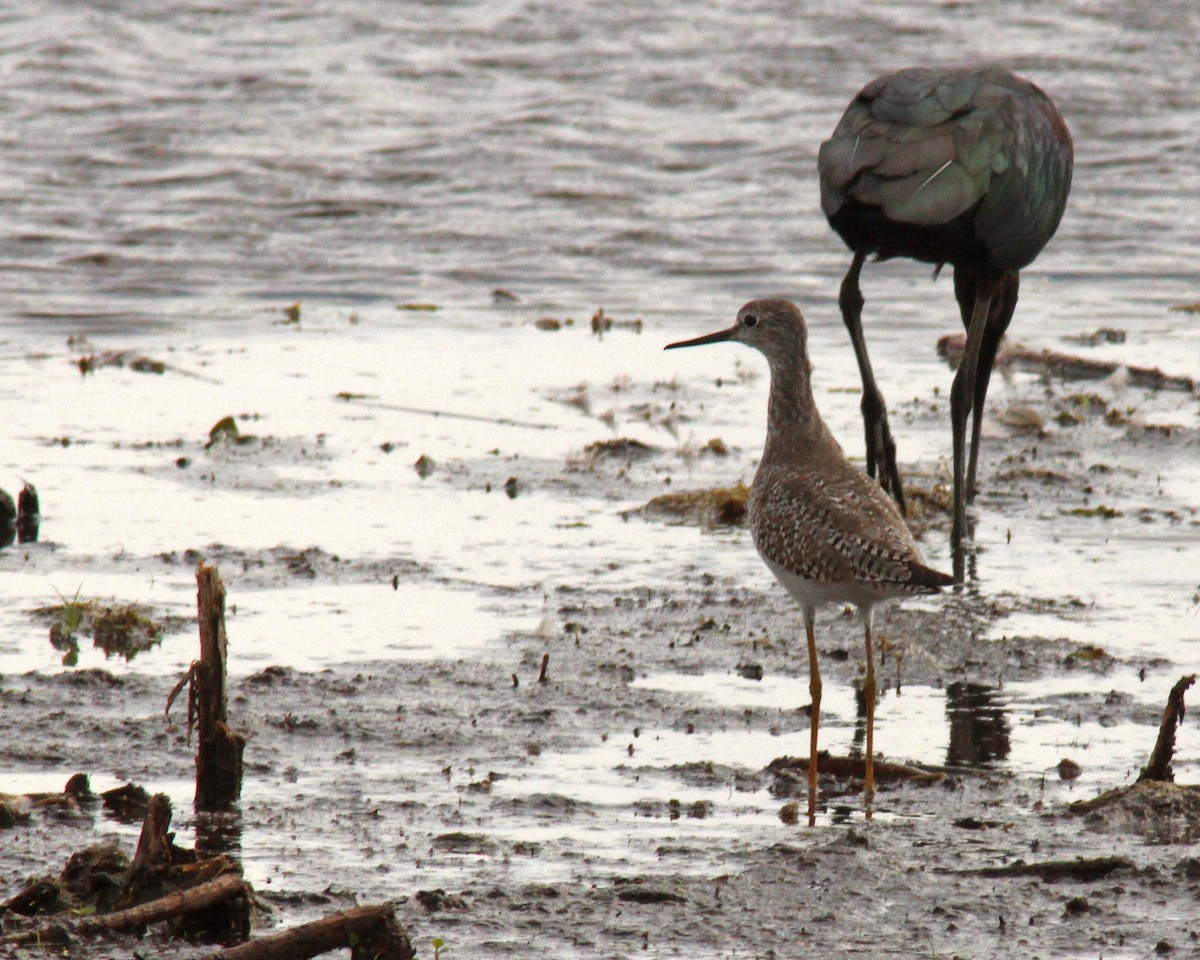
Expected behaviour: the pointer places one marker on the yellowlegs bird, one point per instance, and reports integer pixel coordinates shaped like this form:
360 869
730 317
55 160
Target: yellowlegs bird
968 166
828 532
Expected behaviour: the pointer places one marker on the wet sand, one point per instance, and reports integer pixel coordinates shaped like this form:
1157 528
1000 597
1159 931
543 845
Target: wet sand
623 807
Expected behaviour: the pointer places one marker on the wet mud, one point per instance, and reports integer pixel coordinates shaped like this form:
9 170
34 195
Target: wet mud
599 784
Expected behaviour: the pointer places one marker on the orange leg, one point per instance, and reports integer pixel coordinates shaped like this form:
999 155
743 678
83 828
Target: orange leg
814 689
869 697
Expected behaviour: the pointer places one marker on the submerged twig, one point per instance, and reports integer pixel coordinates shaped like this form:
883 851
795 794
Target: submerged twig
453 415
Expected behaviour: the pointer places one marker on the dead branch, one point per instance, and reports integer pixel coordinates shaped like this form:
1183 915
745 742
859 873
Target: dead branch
176 904
1068 367
153 857
219 752
850 767
1159 767
1092 868
372 932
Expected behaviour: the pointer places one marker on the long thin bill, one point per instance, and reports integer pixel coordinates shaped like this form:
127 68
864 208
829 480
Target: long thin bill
717 337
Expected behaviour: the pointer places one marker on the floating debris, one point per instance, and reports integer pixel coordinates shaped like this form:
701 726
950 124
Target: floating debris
1098 337
29 514
1022 417
601 323
719 507
1088 653
126 629
226 430
619 448
424 466
1068 367
1105 513
120 358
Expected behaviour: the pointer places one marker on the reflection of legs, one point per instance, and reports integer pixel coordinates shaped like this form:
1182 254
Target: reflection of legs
881 448
869 698
814 689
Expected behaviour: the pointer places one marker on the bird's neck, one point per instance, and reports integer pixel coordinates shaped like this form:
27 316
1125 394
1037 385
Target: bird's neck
794 425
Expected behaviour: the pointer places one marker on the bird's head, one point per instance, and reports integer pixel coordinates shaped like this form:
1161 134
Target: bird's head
774 327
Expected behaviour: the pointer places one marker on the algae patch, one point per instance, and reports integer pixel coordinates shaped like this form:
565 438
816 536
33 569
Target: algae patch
116 629
718 507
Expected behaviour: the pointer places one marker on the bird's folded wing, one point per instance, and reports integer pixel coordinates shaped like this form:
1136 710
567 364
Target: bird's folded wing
833 530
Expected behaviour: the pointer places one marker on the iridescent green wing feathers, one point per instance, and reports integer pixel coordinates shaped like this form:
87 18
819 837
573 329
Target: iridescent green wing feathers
926 147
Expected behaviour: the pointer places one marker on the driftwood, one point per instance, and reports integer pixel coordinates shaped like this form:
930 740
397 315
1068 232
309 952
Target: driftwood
152 861
1155 788
180 903
1067 366
842 768
154 845
1091 868
219 752
371 932
1159 767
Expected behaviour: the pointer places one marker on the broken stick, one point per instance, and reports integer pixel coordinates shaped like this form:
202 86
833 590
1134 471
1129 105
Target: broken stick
1069 367
177 904
1159 767
219 752
372 933
153 857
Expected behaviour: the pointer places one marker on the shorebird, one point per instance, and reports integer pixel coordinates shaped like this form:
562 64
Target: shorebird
969 166
827 531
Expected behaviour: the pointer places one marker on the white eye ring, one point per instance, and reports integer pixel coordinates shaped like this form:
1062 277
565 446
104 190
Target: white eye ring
750 320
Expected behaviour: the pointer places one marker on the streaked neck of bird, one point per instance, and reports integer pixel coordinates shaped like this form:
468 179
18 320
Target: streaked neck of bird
795 429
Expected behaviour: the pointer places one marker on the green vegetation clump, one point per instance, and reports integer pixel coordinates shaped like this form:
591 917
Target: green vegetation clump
124 630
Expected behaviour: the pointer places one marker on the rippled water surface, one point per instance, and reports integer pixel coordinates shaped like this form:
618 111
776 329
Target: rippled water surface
179 163
172 176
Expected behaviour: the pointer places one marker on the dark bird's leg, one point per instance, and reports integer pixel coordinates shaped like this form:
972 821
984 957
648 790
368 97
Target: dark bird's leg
869 699
962 399
814 689
999 318
881 448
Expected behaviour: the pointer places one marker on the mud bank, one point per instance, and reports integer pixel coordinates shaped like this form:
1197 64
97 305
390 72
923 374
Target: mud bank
622 806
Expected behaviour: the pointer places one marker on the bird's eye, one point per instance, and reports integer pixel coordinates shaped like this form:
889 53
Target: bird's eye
750 320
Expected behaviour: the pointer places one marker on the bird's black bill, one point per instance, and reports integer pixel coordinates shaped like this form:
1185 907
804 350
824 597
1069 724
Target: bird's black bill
717 337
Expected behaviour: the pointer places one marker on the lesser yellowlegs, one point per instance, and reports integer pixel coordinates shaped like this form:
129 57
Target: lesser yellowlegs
827 531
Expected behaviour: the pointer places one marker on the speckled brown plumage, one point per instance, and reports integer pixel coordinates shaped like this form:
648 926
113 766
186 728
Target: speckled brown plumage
834 528
827 531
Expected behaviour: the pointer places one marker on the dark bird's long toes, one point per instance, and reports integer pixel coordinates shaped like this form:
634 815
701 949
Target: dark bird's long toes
881 459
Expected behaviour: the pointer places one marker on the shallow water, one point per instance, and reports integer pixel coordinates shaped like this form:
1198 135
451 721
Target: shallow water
173 177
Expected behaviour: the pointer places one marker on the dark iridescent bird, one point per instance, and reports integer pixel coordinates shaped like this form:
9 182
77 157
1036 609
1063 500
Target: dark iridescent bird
968 166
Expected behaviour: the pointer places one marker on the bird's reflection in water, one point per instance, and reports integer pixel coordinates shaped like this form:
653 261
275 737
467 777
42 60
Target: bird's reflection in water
979 730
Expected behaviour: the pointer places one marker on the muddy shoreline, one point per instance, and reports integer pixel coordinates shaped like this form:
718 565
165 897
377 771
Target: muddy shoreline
577 817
